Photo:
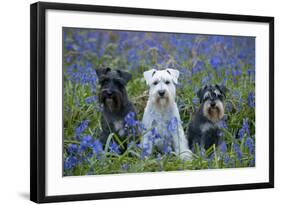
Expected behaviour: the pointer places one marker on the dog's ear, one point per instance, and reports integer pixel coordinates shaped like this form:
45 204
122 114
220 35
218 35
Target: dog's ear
174 73
148 75
102 71
125 75
222 89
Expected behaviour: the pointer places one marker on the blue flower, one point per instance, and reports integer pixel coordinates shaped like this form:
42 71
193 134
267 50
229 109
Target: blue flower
70 162
216 62
226 159
130 119
81 128
195 100
91 99
223 147
245 129
249 143
251 100
97 147
145 150
114 148
72 149
172 125
238 152
85 144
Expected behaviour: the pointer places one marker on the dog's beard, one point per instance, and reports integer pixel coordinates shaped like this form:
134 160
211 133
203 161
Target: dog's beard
214 114
112 104
162 102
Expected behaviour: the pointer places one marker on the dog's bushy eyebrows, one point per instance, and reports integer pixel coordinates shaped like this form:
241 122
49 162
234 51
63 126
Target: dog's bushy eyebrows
108 73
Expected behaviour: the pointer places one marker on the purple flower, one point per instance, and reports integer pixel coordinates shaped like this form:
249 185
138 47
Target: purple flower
195 100
97 147
130 119
172 125
226 159
90 100
223 148
245 129
81 128
215 62
249 143
72 149
238 152
70 162
251 100
114 148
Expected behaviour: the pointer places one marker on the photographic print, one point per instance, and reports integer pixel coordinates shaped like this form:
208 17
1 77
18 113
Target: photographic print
132 102
137 101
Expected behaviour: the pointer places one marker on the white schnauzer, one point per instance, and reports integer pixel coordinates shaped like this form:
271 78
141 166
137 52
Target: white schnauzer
161 114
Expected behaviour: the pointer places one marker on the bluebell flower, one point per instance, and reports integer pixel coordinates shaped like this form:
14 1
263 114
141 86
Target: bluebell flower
141 127
72 149
249 143
223 148
215 62
145 148
251 100
97 147
81 128
245 129
85 144
91 99
226 159
70 162
114 148
195 100
167 147
172 125
130 119
238 151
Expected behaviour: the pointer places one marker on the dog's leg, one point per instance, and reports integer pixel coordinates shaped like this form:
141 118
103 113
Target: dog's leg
146 141
181 144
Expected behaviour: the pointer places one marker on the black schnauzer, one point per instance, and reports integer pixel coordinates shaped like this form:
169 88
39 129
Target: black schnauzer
203 129
113 98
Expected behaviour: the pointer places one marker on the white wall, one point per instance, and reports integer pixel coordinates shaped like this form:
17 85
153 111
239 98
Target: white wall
14 101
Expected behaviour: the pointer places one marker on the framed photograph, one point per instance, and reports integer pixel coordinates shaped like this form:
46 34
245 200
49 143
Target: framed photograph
129 102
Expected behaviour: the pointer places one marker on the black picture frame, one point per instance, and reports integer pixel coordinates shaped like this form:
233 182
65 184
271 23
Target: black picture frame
38 100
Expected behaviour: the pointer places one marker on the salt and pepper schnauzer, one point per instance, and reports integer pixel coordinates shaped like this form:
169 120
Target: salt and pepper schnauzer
113 98
160 109
203 129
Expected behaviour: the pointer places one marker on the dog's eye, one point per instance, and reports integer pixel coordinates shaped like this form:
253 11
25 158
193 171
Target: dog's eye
167 82
219 96
155 82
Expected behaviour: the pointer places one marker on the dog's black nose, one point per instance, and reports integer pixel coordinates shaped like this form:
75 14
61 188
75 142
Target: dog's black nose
213 104
161 93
